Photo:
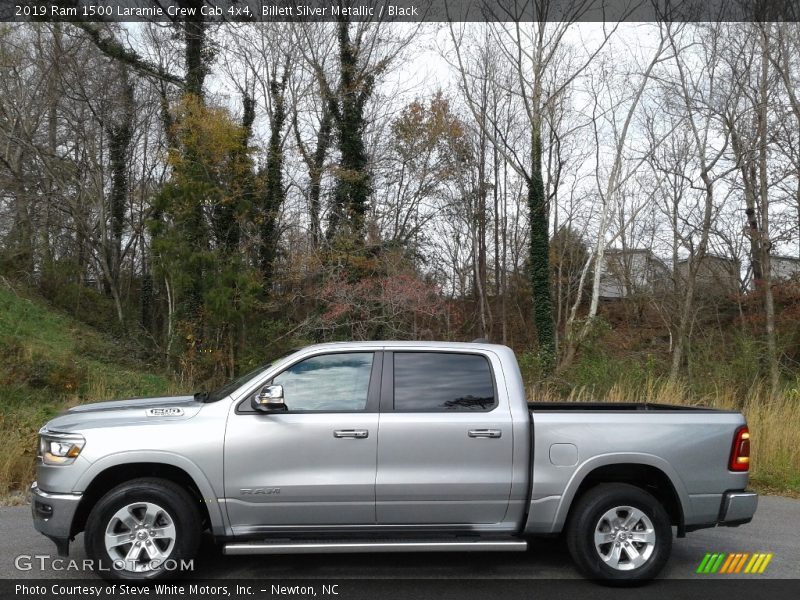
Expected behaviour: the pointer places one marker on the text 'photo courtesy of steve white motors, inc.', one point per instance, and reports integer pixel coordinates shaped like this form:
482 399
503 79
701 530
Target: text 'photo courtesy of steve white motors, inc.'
166 590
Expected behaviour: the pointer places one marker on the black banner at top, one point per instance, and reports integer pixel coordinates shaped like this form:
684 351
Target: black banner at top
221 11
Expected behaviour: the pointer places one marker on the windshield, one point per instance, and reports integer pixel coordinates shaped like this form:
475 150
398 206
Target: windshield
234 385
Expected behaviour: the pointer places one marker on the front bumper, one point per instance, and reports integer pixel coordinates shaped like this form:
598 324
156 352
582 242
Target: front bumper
738 508
53 515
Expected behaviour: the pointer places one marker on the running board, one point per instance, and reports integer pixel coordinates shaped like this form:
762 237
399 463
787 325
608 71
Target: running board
370 546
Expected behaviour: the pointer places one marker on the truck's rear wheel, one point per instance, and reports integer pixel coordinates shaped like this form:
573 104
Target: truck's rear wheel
142 529
620 534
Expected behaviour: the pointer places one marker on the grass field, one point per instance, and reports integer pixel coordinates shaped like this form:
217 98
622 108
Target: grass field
49 362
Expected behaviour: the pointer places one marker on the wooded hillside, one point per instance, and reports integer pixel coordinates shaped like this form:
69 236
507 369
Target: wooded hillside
606 198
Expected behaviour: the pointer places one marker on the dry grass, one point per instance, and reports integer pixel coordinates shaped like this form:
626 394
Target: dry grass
15 499
773 419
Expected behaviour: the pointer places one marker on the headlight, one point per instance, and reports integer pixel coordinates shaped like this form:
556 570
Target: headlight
59 448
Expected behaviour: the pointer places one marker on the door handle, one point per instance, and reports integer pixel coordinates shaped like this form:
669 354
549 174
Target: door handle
484 433
358 434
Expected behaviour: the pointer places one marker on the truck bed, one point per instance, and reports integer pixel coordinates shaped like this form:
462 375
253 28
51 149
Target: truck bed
690 446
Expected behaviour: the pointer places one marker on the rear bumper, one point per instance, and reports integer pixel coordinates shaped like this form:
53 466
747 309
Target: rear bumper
738 508
53 515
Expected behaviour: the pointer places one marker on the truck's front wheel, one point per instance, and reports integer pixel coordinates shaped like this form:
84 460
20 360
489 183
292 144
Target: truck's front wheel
620 534
142 529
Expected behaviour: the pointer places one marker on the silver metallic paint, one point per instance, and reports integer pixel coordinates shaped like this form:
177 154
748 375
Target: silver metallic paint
690 447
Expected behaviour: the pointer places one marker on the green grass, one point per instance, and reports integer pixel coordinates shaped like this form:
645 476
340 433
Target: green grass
49 362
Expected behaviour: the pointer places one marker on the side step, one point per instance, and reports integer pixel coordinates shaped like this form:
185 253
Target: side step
315 547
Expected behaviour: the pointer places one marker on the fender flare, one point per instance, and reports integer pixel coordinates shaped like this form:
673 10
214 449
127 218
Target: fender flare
616 458
215 513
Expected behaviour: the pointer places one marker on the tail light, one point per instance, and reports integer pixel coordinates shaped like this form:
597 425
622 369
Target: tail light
740 453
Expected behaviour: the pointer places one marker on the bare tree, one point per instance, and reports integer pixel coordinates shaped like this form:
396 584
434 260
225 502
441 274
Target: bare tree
365 51
623 107
699 92
543 69
747 120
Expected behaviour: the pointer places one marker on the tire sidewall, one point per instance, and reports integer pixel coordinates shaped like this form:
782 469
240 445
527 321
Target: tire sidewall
581 533
175 501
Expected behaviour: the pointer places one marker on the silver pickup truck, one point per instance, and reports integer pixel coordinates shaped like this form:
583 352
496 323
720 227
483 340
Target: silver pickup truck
385 447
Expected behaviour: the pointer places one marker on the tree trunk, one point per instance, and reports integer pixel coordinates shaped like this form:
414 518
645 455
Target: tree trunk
197 62
480 266
195 50
539 253
20 237
316 169
692 267
120 132
353 186
273 189
769 303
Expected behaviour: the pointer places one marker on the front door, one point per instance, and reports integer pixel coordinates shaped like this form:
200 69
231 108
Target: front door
314 464
445 445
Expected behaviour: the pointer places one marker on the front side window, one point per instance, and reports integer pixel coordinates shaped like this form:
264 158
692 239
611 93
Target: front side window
442 382
331 382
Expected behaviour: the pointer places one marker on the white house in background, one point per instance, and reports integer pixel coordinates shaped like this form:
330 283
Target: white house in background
784 267
716 275
630 272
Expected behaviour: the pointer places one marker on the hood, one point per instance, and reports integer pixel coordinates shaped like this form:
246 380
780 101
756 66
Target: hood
125 412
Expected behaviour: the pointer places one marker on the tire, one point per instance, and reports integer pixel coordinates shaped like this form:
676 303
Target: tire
142 529
634 535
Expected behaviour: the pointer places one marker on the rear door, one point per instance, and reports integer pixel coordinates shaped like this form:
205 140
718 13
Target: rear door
445 441
313 465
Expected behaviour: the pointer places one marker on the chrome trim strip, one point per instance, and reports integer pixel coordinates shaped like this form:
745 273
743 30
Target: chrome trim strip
61 435
343 547
391 530
51 496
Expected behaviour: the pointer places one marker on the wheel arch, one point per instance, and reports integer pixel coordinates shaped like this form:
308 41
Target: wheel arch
120 468
650 473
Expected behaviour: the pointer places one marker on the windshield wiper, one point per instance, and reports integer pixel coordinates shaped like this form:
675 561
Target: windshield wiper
201 396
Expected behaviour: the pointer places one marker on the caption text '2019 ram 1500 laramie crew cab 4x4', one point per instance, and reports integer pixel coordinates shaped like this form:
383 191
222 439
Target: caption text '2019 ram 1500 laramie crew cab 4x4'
382 447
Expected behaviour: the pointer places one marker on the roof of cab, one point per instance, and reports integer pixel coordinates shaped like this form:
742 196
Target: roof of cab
389 344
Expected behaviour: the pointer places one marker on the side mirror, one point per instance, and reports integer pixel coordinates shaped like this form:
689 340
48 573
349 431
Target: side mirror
269 399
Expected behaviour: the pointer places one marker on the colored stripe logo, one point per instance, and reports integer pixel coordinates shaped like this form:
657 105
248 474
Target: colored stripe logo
733 563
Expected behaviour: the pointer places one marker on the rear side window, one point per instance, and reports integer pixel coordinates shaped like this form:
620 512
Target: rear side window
442 382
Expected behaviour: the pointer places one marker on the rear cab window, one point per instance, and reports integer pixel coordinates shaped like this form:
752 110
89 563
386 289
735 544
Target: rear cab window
443 382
